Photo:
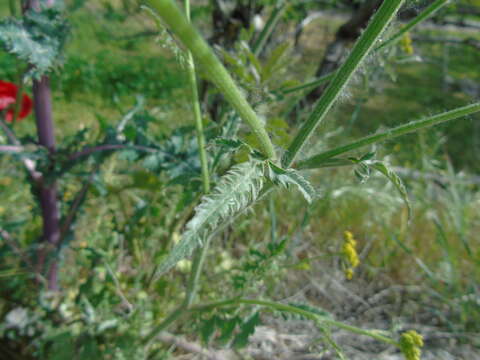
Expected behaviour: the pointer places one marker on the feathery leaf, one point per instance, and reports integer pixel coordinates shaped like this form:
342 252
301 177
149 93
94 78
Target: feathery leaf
235 192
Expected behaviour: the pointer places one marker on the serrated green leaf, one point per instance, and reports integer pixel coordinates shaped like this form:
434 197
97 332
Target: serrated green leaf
274 62
37 38
312 309
208 328
285 177
246 330
235 192
227 328
395 180
230 145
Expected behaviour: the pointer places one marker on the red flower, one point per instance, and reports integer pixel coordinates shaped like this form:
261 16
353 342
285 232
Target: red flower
8 96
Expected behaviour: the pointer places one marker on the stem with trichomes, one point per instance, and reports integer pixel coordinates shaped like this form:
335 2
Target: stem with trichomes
364 45
319 159
200 254
267 30
192 79
211 65
424 15
318 319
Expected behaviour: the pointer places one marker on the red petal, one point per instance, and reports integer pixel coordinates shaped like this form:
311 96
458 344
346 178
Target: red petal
8 95
27 105
8 88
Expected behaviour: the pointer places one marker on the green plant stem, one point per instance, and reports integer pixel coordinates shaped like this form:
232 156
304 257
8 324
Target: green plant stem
174 316
320 159
211 65
200 254
267 30
295 310
424 15
197 113
308 85
197 265
365 43
13 7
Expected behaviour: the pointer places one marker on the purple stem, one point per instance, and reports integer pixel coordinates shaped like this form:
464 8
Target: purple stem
42 102
47 190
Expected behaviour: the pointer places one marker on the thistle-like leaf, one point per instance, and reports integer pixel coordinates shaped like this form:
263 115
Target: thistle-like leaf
235 192
246 330
38 38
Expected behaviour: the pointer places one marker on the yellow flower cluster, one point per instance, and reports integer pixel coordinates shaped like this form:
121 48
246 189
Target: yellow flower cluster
410 344
350 254
406 44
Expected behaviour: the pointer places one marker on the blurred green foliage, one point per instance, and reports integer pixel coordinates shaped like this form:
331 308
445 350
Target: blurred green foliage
139 205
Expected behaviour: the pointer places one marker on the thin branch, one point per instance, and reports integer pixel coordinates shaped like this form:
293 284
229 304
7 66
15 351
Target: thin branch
363 46
318 319
466 42
107 147
14 149
267 30
28 163
79 198
389 134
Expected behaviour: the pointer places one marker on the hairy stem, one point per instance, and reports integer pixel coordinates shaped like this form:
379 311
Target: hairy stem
365 43
197 113
321 320
268 28
319 159
87 151
29 163
424 15
169 320
200 253
211 65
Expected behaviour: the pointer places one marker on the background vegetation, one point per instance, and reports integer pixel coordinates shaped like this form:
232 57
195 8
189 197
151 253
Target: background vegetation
421 273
